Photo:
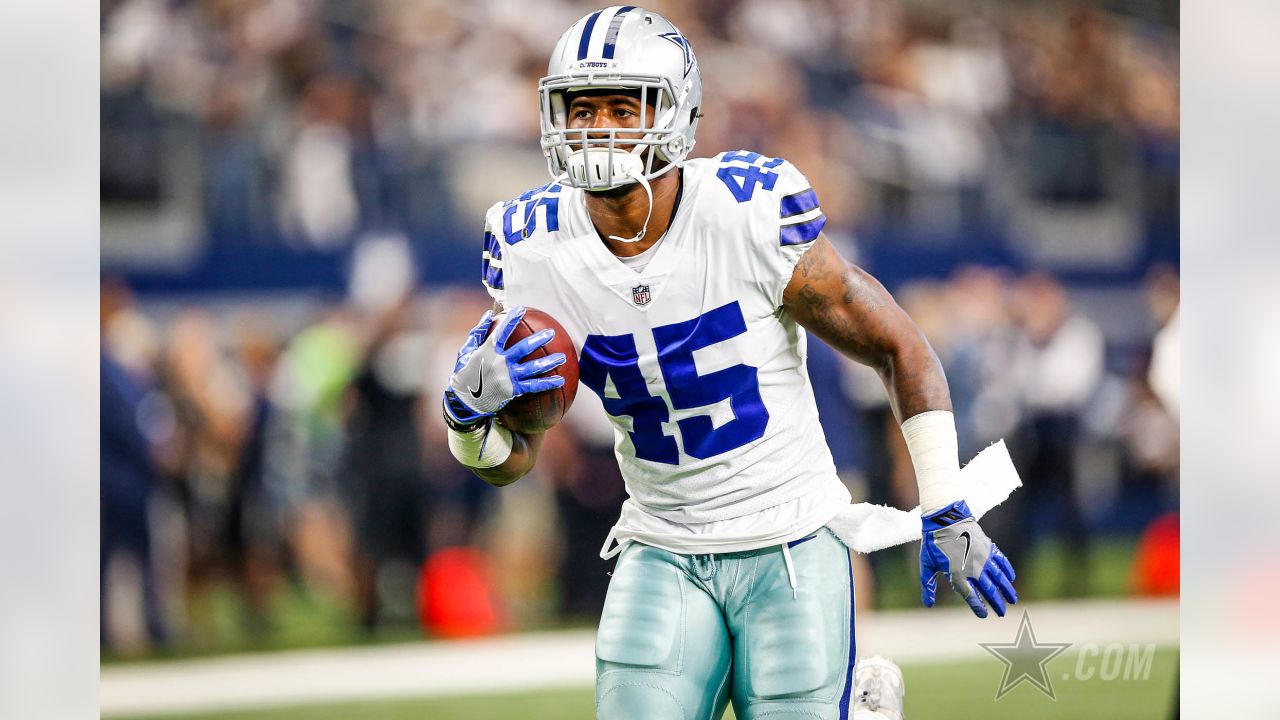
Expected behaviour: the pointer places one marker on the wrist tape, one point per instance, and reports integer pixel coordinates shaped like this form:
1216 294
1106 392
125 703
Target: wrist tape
931 440
486 446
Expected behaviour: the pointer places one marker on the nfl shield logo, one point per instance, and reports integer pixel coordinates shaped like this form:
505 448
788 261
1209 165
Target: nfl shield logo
640 295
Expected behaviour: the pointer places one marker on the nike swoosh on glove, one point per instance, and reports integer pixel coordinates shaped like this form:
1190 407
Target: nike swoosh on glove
488 374
956 547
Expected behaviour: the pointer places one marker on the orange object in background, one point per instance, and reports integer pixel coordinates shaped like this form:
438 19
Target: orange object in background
1156 561
455 596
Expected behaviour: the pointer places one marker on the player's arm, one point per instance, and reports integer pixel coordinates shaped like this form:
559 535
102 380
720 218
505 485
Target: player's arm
852 312
488 375
524 454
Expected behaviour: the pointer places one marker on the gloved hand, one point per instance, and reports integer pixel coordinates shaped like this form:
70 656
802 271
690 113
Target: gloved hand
488 374
955 546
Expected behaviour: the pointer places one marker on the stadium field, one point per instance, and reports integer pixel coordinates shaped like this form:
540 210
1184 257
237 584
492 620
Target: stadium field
934 690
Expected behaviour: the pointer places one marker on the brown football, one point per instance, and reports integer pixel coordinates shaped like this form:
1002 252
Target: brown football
537 412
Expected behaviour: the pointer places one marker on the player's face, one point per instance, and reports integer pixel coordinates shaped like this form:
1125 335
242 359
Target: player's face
608 111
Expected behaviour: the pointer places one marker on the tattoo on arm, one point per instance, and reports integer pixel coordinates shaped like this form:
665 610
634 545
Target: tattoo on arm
851 311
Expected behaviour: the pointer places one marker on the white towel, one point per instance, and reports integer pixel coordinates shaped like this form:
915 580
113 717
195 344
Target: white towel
985 482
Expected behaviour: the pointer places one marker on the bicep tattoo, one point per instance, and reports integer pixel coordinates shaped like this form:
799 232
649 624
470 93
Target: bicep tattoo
851 311
841 304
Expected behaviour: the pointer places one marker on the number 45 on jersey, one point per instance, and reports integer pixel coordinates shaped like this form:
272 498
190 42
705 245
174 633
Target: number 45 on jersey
614 358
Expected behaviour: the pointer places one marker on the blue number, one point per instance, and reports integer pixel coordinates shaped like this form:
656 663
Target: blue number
550 206
738 384
615 358
742 181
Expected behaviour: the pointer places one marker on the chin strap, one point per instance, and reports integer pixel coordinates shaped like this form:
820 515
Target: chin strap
644 183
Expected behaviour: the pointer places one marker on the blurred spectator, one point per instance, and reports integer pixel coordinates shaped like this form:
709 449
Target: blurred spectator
589 492
987 406
319 202
128 479
1165 372
384 475
211 409
236 174
1149 428
253 534
308 388
1151 441
1056 365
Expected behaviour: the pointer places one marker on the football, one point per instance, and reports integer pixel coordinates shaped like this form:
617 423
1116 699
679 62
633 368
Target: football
537 412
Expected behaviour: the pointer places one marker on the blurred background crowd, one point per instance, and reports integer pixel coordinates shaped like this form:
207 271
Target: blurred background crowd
292 197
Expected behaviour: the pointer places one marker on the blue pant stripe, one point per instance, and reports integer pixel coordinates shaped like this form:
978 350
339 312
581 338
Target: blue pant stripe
614 26
848 676
801 233
794 543
586 34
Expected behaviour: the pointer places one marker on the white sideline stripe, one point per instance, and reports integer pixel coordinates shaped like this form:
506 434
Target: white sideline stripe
566 659
925 636
508 664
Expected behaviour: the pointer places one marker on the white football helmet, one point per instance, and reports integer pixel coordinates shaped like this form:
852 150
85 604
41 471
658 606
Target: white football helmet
629 48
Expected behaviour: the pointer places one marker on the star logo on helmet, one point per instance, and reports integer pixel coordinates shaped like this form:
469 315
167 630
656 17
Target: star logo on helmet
683 43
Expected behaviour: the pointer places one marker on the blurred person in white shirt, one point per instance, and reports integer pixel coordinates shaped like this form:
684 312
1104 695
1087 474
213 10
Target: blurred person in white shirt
1056 367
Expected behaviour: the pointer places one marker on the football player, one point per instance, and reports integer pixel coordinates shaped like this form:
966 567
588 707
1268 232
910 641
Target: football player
687 286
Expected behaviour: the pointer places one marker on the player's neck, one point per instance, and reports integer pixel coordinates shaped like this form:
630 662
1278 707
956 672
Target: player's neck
623 213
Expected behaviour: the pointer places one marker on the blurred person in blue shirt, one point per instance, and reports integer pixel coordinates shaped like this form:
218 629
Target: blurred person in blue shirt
127 480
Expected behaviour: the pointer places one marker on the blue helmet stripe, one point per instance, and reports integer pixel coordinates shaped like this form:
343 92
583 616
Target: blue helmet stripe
800 202
614 26
586 34
801 233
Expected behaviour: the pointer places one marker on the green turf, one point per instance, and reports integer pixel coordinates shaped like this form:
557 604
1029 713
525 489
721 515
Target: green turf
298 620
943 691
305 620
1050 575
967 690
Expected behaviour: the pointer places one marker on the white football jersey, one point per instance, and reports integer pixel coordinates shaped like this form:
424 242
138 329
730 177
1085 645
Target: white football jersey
700 370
